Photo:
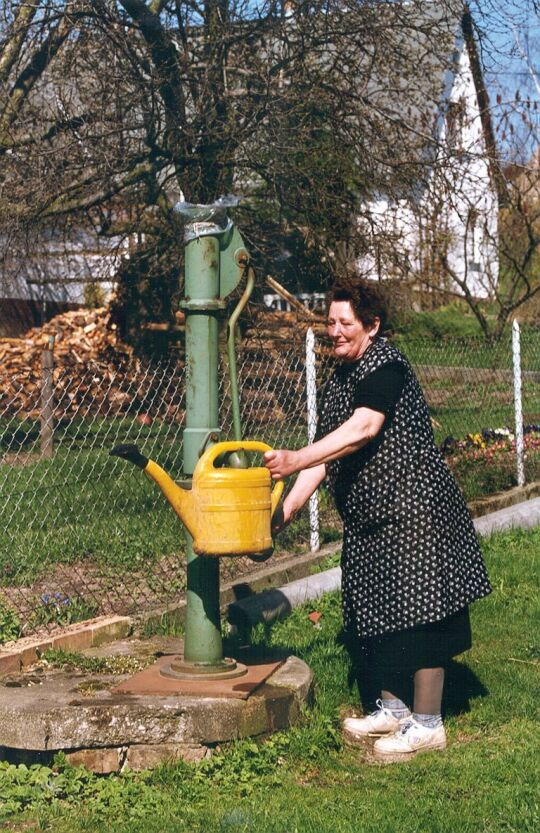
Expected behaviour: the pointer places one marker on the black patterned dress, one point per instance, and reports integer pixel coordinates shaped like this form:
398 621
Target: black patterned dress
411 562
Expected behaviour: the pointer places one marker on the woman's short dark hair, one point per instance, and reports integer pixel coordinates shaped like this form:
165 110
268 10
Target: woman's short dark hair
366 298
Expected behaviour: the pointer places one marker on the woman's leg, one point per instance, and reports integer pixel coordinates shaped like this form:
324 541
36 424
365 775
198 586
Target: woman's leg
393 702
428 691
425 731
396 691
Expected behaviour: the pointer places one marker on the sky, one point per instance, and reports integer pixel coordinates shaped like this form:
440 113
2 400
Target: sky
509 33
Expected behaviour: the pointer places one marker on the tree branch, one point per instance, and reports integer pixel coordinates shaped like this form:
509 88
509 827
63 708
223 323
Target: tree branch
64 204
471 301
31 73
55 130
496 173
15 39
164 56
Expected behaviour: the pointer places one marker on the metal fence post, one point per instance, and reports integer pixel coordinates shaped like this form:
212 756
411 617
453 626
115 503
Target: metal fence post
47 401
518 410
311 396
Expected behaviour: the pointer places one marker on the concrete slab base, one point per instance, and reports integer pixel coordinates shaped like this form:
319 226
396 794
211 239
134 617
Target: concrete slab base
105 730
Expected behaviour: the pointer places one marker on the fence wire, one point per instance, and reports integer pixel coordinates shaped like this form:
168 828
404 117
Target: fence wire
83 533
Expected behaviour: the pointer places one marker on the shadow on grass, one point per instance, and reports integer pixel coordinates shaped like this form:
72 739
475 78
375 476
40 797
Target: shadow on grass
332 654
461 687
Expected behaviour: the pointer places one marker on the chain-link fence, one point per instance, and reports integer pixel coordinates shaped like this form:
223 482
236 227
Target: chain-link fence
83 533
475 392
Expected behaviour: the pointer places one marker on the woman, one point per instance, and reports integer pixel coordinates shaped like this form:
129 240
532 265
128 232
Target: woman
411 563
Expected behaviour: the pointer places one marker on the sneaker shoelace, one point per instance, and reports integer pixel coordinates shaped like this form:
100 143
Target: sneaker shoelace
380 708
404 728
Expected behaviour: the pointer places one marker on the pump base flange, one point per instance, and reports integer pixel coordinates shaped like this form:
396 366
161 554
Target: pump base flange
181 669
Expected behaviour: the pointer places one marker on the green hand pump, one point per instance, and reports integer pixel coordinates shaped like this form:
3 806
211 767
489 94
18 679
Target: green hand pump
215 262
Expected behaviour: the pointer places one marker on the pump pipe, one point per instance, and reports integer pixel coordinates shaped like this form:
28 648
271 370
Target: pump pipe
238 459
231 352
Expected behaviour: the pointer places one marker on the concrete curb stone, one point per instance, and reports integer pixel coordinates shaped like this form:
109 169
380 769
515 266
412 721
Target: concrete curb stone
106 731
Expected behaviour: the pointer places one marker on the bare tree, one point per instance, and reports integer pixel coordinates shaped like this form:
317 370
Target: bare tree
112 111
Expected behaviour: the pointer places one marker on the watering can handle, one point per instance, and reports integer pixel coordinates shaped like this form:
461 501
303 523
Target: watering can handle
277 491
207 460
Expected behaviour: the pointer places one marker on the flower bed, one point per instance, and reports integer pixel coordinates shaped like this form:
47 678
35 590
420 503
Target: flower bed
485 462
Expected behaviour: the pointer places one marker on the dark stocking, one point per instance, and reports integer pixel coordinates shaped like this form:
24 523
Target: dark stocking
428 690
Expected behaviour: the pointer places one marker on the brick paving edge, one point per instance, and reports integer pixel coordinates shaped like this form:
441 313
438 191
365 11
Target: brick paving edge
15 656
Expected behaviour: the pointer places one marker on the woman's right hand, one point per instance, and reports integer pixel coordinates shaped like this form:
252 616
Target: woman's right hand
281 462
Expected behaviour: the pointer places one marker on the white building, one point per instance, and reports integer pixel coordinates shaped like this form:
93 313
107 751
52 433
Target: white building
444 234
55 274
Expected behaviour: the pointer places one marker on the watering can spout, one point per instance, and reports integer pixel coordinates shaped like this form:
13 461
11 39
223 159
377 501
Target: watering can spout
180 499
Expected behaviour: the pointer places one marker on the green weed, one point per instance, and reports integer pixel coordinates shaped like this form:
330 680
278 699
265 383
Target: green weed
10 625
168 624
74 661
61 610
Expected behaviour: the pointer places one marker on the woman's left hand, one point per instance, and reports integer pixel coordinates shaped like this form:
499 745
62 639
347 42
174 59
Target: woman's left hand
281 462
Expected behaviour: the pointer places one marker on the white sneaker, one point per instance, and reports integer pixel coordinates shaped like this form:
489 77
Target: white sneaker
408 741
375 725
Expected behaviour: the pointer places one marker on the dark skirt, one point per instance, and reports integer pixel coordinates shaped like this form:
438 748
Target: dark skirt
425 646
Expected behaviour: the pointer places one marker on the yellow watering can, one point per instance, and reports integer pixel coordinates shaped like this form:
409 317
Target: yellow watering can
228 510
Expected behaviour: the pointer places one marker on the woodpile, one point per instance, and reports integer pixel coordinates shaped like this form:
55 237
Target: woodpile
95 373
271 357
274 330
79 336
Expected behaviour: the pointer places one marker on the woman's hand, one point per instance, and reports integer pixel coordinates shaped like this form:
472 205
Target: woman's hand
281 517
306 483
281 462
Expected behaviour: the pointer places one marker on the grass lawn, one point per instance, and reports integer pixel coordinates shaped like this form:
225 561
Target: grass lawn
305 781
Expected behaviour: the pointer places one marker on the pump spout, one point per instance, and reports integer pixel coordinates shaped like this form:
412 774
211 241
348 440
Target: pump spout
181 500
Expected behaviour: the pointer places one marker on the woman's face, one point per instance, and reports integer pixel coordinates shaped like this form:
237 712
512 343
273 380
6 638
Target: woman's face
349 336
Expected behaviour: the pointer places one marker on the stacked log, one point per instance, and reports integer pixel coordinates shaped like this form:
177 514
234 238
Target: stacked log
272 361
274 330
95 373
